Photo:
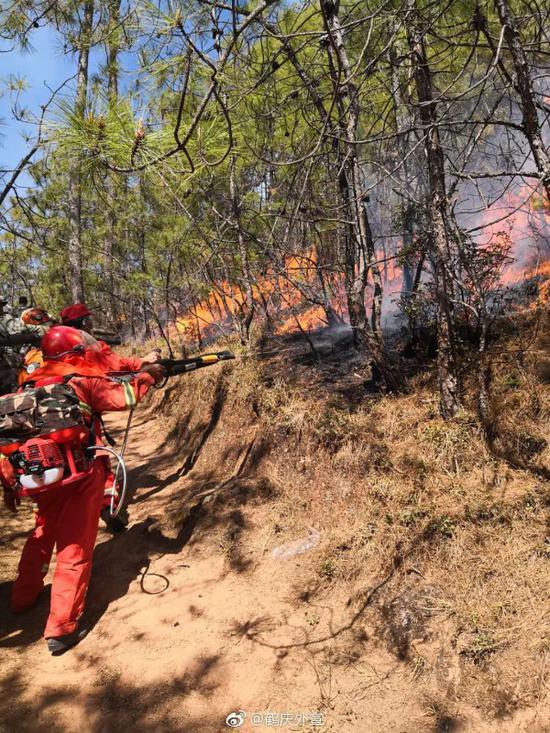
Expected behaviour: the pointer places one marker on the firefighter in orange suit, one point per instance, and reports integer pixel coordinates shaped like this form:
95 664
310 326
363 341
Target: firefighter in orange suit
68 516
78 315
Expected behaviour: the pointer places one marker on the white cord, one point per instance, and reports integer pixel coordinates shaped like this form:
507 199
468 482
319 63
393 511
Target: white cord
112 511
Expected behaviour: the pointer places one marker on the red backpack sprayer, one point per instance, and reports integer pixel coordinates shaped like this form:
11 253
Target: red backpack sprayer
49 443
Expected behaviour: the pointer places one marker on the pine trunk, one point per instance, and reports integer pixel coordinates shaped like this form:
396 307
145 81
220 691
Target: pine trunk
111 183
524 85
440 228
360 249
247 310
75 255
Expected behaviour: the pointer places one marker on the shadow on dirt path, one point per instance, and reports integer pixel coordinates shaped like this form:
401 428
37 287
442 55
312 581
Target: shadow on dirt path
194 442
114 705
125 557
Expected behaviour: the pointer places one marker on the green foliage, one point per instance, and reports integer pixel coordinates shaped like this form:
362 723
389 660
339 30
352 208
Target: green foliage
162 226
327 569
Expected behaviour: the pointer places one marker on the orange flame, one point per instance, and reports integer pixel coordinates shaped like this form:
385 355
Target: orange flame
307 320
227 301
528 215
527 221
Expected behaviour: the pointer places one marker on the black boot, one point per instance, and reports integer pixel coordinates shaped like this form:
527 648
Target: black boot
114 524
59 644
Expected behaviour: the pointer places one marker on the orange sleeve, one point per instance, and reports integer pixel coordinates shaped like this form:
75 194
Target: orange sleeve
128 363
116 363
112 395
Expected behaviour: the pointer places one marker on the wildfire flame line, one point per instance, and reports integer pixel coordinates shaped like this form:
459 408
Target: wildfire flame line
227 301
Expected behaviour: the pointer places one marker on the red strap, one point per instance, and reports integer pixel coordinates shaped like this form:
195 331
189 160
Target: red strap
70 368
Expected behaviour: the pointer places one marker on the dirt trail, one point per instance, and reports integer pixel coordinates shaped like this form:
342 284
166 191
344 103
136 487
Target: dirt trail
185 630
172 642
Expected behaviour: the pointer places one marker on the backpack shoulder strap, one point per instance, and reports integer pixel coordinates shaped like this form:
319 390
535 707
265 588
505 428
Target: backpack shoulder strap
30 384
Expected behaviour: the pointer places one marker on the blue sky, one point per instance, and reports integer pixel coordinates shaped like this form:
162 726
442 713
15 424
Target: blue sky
45 64
43 68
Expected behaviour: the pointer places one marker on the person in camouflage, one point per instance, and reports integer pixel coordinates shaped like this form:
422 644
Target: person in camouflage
67 517
9 356
12 357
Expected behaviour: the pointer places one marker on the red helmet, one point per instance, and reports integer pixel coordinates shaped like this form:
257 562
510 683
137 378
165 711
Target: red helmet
75 312
35 317
62 340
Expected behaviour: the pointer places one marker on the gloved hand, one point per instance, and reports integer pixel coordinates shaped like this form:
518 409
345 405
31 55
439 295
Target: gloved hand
11 500
151 357
157 371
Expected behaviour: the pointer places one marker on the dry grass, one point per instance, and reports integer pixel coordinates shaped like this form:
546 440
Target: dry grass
392 487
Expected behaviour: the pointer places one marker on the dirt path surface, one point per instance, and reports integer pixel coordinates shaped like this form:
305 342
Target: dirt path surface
188 626
173 627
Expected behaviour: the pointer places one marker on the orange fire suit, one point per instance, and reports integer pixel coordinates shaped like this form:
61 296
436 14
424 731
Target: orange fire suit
115 363
105 358
68 516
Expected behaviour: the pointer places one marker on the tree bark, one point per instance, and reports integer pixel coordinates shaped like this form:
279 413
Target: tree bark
403 174
75 257
247 310
524 85
439 214
360 250
111 182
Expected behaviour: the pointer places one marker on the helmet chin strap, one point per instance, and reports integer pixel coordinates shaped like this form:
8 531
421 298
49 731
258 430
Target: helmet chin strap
79 349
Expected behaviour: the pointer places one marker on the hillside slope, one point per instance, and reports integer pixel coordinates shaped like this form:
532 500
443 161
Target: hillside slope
303 547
